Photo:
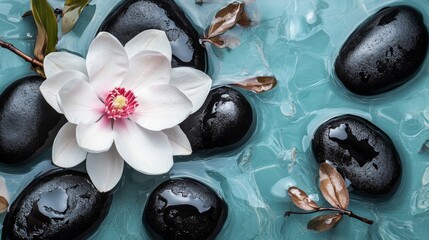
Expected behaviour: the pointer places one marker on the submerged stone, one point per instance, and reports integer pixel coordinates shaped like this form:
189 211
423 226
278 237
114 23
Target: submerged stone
384 52
184 209
361 151
57 205
27 122
132 17
225 119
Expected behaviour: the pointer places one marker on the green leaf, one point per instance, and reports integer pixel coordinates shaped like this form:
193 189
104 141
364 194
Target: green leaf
71 12
47 29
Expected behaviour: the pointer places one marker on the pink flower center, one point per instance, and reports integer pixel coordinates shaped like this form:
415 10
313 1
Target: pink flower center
120 103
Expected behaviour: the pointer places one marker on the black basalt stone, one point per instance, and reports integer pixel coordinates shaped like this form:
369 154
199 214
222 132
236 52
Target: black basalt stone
132 17
362 152
384 52
184 209
27 122
57 205
225 119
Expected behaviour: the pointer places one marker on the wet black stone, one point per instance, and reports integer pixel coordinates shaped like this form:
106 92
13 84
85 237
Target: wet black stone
57 205
225 119
28 124
133 17
362 152
384 52
184 208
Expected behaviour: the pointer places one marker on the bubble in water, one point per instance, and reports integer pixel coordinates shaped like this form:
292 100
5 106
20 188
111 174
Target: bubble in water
289 156
426 115
420 201
314 197
279 189
411 126
311 17
244 160
288 108
425 178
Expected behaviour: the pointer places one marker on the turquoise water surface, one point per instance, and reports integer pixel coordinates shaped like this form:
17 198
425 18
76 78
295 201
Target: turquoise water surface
296 41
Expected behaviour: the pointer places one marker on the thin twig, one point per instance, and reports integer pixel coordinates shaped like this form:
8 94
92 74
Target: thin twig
365 220
18 52
339 210
288 213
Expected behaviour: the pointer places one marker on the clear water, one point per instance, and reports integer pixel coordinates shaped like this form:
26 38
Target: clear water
296 41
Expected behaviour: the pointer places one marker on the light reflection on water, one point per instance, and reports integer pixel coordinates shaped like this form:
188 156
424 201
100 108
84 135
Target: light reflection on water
297 42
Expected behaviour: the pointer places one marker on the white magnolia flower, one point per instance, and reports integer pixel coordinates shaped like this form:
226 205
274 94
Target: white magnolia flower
122 103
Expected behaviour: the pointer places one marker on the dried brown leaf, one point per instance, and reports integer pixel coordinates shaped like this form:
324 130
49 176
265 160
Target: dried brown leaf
3 205
258 84
225 19
215 41
244 20
333 186
301 199
324 222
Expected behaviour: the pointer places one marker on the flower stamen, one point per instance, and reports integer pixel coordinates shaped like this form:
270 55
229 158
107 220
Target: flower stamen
120 103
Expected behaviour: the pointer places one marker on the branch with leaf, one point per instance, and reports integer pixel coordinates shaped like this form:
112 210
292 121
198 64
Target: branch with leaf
47 29
334 190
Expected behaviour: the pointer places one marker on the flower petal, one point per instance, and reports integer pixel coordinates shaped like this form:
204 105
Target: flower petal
178 140
51 86
95 137
152 40
194 83
146 151
147 68
80 103
161 107
57 62
65 151
105 169
107 63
